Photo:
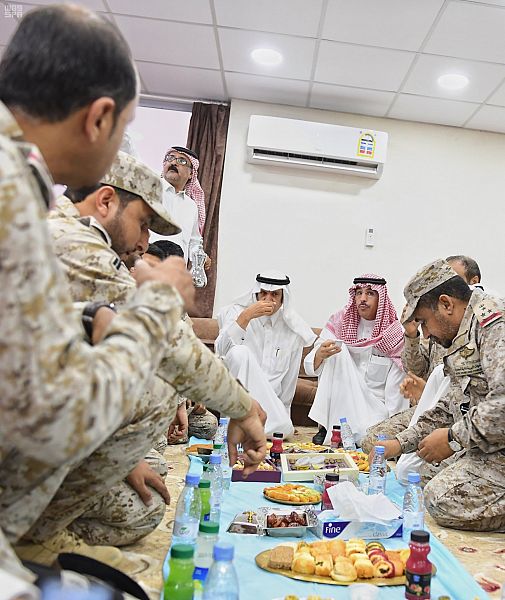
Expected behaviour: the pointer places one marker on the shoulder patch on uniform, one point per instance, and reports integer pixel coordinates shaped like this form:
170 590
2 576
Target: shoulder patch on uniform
487 311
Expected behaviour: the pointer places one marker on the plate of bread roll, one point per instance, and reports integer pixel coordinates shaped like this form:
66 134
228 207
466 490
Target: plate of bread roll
291 493
336 562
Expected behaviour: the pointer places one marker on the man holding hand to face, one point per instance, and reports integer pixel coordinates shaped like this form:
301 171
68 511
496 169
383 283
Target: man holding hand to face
261 340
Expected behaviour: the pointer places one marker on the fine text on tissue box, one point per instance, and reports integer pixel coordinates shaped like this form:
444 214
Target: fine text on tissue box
330 526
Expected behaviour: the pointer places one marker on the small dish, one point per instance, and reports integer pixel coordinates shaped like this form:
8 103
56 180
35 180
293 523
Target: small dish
299 531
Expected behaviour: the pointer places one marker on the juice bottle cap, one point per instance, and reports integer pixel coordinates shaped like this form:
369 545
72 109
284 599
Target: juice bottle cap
423 537
209 527
182 551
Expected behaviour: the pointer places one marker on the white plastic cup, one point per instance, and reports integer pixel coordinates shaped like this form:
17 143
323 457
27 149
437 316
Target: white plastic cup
363 591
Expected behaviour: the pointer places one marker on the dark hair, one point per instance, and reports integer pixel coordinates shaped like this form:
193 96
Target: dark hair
77 195
471 267
455 287
61 59
169 248
155 251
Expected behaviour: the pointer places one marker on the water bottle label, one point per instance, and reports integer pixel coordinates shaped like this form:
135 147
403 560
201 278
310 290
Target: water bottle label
200 574
413 520
376 485
206 517
185 529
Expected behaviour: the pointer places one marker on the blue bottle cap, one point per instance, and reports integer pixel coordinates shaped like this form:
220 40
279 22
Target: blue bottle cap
379 449
192 478
343 420
215 459
381 437
223 551
414 477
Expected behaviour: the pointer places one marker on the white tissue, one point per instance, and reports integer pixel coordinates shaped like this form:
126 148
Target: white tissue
353 505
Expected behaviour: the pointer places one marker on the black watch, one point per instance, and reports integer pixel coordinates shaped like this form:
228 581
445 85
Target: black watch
88 314
454 445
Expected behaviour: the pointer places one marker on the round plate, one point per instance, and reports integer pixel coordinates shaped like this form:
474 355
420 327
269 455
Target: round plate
290 503
262 562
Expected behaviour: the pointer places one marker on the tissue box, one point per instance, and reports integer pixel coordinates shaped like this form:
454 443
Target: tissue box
330 527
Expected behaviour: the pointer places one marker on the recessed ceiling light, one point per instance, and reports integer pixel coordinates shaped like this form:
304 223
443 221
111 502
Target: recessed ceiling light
267 57
453 81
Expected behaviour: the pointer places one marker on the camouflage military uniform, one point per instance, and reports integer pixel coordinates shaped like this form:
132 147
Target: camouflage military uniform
61 398
389 427
470 493
203 426
96 274
421 356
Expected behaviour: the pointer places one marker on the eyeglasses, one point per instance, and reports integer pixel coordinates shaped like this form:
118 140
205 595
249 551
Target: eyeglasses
180 160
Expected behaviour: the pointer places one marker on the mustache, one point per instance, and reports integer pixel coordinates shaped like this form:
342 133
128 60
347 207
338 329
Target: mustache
173 168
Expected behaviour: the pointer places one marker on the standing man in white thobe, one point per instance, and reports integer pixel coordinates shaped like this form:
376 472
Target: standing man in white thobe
184 199
261 339
363 382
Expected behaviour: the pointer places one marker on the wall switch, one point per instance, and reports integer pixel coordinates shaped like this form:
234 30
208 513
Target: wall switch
370 237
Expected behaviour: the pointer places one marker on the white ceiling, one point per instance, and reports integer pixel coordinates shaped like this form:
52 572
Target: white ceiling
374 57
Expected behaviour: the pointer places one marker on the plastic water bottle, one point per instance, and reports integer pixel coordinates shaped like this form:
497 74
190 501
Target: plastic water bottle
207 537
222 580
215 476
225 465
187 513
382 437
347 435
221 430
413 506
378 471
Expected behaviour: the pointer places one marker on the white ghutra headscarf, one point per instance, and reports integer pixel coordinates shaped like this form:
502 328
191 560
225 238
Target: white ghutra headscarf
270 281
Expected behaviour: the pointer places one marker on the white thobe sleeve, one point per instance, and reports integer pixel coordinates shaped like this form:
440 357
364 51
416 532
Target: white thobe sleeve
393 399
288 385
308 363
196 236
230 332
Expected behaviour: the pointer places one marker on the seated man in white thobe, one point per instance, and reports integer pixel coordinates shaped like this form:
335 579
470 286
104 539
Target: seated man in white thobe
261 340
184 199
358 361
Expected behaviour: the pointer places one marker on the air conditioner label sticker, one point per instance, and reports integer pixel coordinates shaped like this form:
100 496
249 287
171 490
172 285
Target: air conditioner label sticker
366 145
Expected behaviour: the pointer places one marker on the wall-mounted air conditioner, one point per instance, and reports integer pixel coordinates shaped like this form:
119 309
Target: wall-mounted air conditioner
305 144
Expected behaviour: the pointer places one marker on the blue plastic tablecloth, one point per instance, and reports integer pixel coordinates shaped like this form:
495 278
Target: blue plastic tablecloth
255 584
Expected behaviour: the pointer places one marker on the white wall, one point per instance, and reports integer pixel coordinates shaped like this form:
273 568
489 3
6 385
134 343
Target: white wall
442 192
154 130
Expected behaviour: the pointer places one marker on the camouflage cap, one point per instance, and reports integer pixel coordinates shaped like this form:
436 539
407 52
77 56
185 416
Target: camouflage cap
425 280
129 174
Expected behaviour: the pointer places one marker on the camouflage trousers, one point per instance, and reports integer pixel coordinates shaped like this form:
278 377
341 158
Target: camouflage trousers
202 426
389 427
120 517
38 500
465 496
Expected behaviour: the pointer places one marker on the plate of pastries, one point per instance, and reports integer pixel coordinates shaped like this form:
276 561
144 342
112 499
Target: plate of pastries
336 562
291 493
